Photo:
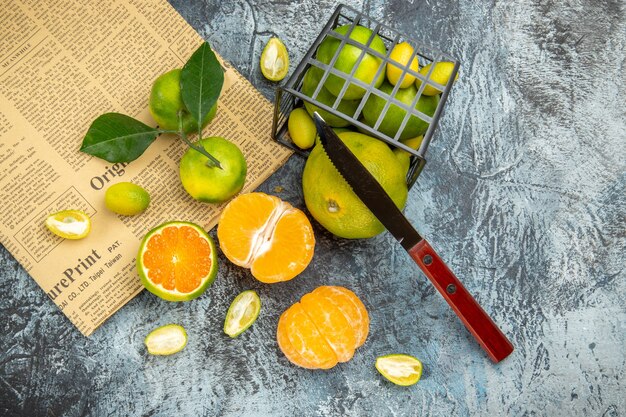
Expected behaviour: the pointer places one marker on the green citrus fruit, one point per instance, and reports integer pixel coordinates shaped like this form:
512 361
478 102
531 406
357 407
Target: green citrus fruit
400 369
126 198
301 128
349 54
347 107
177 261
69 224
243 311
330 199
405 157
441 75
395 115
401 53
207 182
166 340
274 60
166 102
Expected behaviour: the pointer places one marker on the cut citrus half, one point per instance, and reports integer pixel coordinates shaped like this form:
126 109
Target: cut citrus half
166 340
69 224
400 369
243 311
269 236
274 60
177 261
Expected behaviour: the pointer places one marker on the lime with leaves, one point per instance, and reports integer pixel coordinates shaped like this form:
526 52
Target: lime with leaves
166 103
207 181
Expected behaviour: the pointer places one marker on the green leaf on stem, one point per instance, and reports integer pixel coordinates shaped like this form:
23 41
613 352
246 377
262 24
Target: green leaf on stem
201 81
116 137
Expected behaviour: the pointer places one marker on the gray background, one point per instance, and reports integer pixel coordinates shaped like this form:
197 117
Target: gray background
523 195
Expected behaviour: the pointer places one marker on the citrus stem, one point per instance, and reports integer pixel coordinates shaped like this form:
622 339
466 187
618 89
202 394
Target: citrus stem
212 162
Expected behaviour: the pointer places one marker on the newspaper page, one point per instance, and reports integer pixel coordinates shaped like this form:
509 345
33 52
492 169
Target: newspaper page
62 64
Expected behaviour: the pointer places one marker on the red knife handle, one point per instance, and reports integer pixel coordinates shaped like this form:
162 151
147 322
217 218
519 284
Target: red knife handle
486 332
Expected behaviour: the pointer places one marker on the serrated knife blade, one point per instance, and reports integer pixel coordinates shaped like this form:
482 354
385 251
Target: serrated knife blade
372 194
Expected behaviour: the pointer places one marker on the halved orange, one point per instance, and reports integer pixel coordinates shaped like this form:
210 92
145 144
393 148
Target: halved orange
324 328
177 261
269 236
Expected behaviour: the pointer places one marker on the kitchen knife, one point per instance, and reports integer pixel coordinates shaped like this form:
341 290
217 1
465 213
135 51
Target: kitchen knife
372 194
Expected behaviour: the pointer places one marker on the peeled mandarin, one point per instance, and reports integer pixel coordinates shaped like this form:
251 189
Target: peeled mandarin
323 329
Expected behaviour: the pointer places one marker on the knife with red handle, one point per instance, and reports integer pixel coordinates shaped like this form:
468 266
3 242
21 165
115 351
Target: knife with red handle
372 194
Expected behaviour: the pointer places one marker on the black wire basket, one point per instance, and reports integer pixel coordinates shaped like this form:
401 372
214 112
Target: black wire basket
291 96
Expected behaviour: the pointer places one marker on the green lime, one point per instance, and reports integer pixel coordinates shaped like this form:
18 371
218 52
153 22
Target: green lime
301 128
441 75
274 60
207 182
395 115
166 102
330 199
349 54
309 84
243 311
166 340
69 224
400 369
126 198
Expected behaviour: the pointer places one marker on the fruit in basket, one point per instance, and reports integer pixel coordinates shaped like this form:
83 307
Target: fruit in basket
267 235
274 60
209 183
441 74
126 198
177 261
348 56
166 102
330 199
395 114
324 328
309 84
301 128
402 53
405 157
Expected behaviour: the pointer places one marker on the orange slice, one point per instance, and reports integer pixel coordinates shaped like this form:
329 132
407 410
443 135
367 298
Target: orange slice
267 235
177 261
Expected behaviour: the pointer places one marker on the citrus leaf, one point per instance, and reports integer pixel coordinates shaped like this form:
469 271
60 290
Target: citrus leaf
201 81
116 137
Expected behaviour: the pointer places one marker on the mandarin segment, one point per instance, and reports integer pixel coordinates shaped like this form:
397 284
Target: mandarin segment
332 324
307 340
351 306
267 235
323 329
285 344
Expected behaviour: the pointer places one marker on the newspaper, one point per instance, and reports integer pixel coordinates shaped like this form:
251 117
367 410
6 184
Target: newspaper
62 64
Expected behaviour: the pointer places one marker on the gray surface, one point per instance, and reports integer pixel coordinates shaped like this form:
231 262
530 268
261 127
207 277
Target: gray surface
523 195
